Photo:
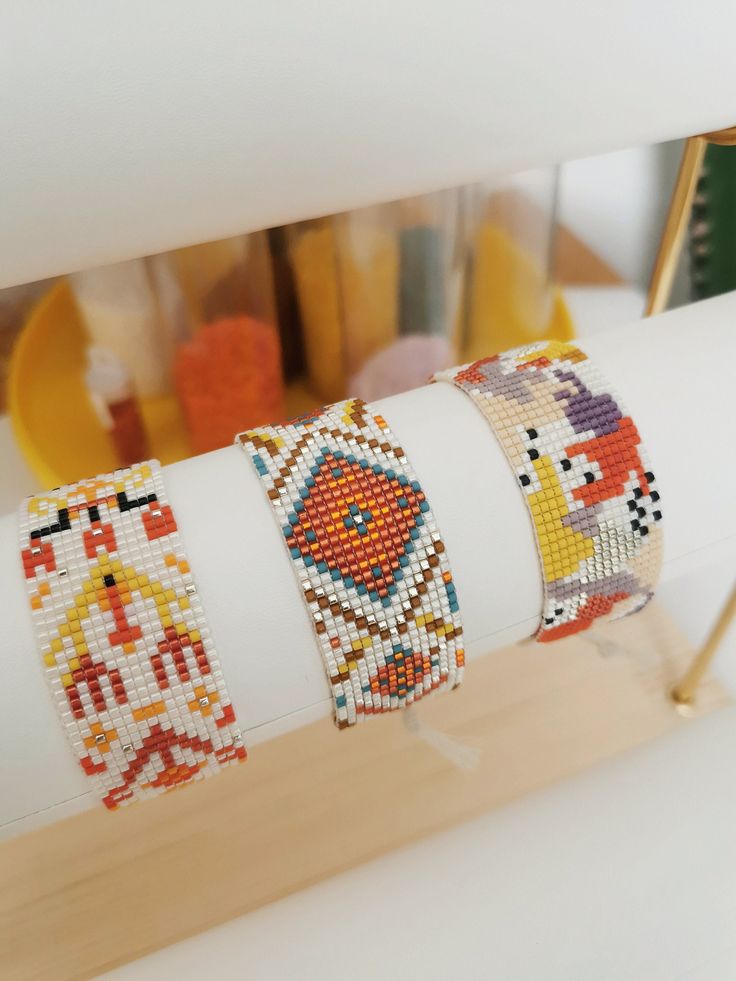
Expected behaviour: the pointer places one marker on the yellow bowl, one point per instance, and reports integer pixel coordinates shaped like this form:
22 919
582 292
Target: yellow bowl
54 423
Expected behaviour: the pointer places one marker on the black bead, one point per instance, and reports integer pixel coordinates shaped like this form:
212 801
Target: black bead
532 433
641 512
566 464
589 478
643 530
649 476
654 495
109 580
635 524
632 505
657 515
638 492
533 455
524 480
125 505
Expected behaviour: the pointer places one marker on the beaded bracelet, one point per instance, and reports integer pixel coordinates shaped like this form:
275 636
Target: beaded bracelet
123 636
579 461
370 561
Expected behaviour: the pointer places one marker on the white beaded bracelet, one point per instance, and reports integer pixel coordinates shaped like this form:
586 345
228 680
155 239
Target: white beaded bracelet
123 636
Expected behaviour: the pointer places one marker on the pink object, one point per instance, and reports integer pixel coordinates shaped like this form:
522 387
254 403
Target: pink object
406 364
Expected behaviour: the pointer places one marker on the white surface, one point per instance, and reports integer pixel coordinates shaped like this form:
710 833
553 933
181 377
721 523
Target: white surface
482 515
149 127
627 873
596 309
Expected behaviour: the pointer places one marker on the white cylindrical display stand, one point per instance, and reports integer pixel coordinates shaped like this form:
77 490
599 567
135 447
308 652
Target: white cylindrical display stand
674 373
149 129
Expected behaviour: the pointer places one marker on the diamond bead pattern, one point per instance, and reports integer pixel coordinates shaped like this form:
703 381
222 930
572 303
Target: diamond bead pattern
369 558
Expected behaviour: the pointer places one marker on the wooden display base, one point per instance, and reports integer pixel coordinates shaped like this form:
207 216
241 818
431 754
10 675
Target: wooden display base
101 889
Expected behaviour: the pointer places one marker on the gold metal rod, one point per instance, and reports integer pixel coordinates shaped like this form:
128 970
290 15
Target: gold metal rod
684 691
721 137
673 234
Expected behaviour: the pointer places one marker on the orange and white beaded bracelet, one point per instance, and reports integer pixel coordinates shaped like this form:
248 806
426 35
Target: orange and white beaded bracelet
123 637
371 564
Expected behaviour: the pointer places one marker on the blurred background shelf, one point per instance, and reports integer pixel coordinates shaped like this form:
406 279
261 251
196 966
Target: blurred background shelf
213 339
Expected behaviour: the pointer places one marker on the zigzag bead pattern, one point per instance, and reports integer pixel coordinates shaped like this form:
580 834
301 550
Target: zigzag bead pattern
123 637
578 458
369 558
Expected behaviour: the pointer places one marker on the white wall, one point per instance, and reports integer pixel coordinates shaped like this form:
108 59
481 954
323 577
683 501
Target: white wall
616 203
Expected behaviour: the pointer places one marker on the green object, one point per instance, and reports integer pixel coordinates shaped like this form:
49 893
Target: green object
713 225
422 307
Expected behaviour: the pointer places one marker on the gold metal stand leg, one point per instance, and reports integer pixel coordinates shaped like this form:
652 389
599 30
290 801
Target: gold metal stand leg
675 227
660 287
684 692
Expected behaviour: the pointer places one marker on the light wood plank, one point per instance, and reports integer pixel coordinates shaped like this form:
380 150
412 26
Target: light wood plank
100 889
